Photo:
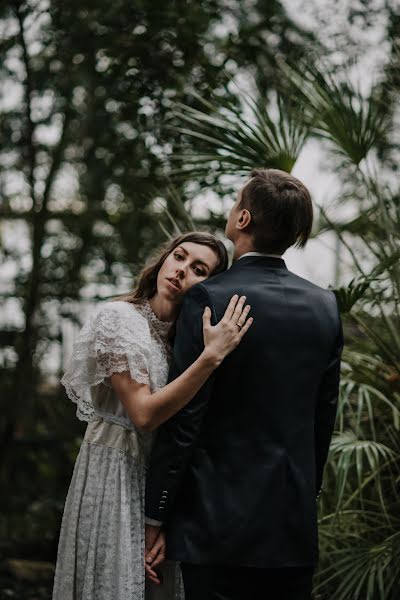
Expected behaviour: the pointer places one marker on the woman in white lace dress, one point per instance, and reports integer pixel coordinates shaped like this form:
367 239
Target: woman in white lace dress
117 376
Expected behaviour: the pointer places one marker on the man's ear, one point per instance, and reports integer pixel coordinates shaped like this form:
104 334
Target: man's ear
244 219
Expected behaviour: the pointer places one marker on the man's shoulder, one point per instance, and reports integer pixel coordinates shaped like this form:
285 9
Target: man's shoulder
222 286
316 293
315 290
309 285
223 280
210 285
219 286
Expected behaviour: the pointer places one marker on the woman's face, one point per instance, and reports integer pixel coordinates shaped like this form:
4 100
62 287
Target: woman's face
187 264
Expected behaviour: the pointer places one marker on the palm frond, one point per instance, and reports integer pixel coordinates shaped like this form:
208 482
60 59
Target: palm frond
336 111
362 571
176 205
232 140
361 404
172 216
352 455
347 297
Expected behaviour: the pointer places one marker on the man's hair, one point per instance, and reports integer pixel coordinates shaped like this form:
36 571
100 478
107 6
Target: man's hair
281 210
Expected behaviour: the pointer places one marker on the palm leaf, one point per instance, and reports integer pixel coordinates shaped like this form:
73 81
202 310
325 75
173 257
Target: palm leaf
232 140
350 454
363 571
347 297
173 213
370 372
336 111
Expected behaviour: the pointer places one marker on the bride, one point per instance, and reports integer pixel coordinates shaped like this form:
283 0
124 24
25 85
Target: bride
117 376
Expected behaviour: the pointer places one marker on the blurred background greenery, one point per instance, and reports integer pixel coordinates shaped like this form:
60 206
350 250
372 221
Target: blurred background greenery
116 121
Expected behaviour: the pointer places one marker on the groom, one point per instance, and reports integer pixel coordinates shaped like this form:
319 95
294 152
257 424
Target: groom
234 477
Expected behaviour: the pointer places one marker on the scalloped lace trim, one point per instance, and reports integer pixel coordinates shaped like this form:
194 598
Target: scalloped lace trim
116 339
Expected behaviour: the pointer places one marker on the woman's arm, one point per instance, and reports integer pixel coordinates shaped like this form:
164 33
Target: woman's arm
146 410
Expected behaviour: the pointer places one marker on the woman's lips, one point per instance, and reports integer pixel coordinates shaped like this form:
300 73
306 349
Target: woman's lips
174 283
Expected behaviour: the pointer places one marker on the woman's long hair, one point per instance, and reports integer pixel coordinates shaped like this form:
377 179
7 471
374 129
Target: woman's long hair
147 284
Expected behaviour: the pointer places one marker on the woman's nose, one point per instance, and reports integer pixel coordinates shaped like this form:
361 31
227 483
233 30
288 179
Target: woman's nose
180 272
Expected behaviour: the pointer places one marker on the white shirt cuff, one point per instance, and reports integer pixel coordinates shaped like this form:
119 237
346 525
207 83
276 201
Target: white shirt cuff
149 521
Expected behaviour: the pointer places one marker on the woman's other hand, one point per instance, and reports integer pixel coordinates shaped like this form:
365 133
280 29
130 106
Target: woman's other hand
221 339
154 552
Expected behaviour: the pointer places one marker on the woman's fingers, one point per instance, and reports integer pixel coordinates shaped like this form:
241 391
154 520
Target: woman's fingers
245 327
242 319
158 560
207 317
159 545
158 551
154 558
233 312
230 309
152 575
238 309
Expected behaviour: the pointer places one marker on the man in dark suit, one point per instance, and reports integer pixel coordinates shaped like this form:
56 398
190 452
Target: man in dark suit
234 477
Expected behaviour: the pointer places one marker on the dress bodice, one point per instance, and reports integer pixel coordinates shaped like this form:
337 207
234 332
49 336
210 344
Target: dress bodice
121 336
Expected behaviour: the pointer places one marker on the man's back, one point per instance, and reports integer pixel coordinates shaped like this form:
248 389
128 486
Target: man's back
255 438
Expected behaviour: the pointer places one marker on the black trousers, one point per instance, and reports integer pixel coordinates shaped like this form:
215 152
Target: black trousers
246 583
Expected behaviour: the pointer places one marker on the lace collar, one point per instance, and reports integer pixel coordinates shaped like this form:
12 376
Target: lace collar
162 327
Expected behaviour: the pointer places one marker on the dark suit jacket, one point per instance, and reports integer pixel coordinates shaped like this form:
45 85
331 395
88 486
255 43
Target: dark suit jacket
235 474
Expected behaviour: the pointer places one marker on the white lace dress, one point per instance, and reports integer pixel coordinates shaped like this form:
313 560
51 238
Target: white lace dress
101 547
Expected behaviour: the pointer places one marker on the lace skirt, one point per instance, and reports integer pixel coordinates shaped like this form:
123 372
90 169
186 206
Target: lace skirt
101 547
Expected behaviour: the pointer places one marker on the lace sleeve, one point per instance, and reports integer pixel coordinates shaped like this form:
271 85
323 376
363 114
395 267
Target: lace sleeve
114 340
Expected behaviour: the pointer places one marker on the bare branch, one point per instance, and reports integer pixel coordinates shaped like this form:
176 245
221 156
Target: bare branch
28 89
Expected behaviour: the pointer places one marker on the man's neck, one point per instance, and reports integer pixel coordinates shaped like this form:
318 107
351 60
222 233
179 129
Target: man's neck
242 249
242 246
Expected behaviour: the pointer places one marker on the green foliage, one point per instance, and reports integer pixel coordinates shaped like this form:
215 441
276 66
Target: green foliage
240 138
337 112
348 296
359 510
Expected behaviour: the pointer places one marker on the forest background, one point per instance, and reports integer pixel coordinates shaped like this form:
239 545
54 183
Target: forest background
124 122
